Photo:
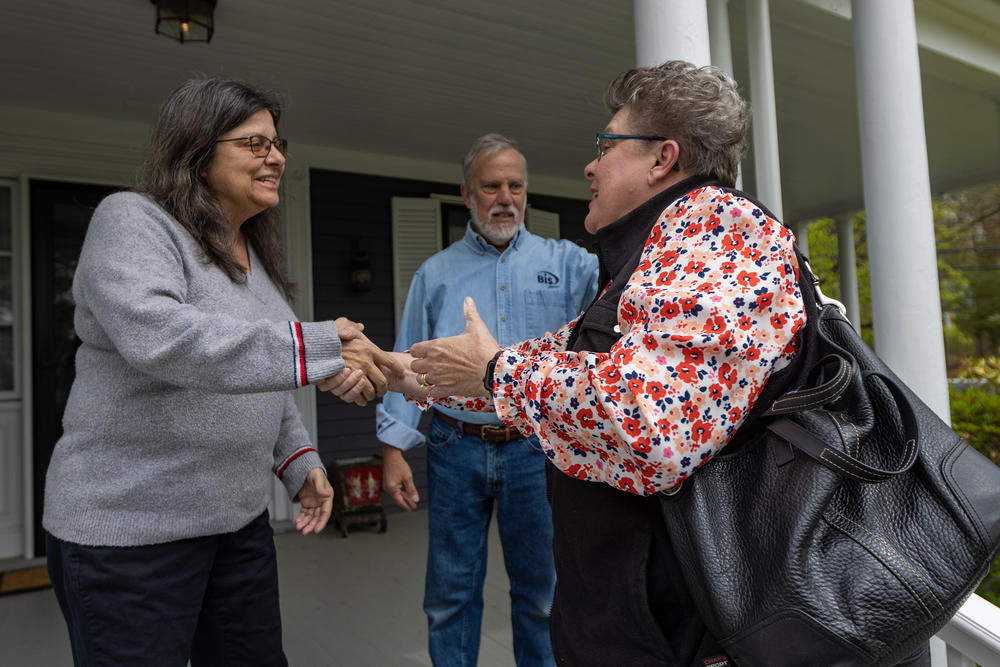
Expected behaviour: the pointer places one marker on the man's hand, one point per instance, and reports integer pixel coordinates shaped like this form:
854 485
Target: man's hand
455 366
397 478
316 498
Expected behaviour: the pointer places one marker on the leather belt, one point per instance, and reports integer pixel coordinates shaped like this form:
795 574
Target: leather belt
488 432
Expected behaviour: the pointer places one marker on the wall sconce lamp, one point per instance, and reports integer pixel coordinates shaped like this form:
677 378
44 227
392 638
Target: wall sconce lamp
361 272
185 20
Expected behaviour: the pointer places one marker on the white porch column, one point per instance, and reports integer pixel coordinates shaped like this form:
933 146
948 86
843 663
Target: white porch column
721 47
906 306
848 269
718 30
671 30
765 115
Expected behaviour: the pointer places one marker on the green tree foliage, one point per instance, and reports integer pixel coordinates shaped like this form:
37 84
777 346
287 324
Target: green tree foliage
967 233
967 226
986 369
824 257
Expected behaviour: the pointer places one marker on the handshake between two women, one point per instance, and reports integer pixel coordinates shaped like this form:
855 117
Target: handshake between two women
452 366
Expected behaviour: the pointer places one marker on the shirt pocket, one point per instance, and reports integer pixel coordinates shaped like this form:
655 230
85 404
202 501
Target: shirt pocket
545 311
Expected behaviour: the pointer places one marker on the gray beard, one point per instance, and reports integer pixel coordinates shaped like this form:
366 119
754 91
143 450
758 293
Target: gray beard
499 233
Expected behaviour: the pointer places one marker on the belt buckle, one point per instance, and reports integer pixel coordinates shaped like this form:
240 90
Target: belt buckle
495 431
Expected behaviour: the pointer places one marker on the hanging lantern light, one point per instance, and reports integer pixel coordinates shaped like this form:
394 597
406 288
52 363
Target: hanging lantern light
185 20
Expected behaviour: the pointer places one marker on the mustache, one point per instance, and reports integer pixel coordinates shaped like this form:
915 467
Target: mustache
504 208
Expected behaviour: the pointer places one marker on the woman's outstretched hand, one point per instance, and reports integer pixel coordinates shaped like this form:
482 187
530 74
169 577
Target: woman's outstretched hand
455 366
316 498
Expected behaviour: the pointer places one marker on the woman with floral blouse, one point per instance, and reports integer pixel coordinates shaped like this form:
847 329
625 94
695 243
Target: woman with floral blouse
700 305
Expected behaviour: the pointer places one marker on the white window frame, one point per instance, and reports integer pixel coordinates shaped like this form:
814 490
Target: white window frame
16 288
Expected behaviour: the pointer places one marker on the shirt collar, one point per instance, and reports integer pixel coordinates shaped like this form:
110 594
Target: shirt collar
481 245
618 241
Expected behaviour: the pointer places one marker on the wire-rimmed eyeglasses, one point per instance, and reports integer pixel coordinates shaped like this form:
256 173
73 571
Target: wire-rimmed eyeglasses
605 141
260 145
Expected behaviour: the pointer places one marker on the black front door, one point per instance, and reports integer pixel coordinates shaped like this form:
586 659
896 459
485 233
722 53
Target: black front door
60 213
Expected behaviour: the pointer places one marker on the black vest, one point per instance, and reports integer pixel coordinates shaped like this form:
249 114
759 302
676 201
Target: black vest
619 598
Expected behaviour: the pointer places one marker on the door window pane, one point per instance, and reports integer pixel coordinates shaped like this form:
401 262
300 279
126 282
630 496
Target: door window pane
5 218
6 302
6 290
6 358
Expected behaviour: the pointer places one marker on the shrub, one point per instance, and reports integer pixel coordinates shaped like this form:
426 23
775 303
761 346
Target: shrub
990 588
975 415
982 368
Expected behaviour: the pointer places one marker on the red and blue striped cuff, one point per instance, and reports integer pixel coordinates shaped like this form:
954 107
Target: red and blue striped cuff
299 362
296 454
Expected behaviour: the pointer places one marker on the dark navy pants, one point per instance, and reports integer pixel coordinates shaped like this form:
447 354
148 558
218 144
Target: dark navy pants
212 599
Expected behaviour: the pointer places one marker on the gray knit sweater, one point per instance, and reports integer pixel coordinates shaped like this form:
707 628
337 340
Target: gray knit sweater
181 409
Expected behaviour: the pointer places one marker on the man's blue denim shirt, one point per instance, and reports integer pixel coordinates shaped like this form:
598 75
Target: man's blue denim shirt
534 287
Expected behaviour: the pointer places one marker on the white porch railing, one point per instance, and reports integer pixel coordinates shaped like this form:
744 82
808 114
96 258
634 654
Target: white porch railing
971 637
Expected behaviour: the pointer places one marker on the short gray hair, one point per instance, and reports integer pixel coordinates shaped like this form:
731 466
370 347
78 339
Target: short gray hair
484 146
698 107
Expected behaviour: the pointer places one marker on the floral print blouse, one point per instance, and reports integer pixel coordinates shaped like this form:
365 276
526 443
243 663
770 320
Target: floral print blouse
712 309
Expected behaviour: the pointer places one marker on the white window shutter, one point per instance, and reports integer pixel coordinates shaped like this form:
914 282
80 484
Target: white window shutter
416 235
543 223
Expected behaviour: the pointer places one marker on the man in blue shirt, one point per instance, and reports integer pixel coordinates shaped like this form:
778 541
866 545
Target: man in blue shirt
523 285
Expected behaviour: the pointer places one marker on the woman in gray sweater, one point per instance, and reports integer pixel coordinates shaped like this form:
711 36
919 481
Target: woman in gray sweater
159 545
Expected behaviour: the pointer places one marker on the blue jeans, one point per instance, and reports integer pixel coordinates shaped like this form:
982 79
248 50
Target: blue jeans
466 477
212 599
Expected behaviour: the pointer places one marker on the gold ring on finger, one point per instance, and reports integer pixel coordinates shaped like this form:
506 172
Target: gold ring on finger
423 380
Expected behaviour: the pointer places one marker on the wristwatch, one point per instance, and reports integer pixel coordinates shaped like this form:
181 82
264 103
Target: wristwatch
488 377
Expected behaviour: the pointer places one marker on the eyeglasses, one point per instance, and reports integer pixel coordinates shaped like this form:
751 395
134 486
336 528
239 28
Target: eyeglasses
260 145
605 141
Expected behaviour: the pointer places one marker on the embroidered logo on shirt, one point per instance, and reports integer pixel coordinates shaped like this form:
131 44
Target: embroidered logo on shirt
548 278
721 661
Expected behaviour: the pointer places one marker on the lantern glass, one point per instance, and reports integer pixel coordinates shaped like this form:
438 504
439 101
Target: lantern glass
185 20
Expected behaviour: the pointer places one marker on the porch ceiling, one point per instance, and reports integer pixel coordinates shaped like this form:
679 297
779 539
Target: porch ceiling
421 79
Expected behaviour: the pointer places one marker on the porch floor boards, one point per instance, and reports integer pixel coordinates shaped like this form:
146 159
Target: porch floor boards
353 602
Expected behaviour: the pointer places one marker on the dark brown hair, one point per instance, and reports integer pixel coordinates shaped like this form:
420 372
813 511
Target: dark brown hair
193 117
